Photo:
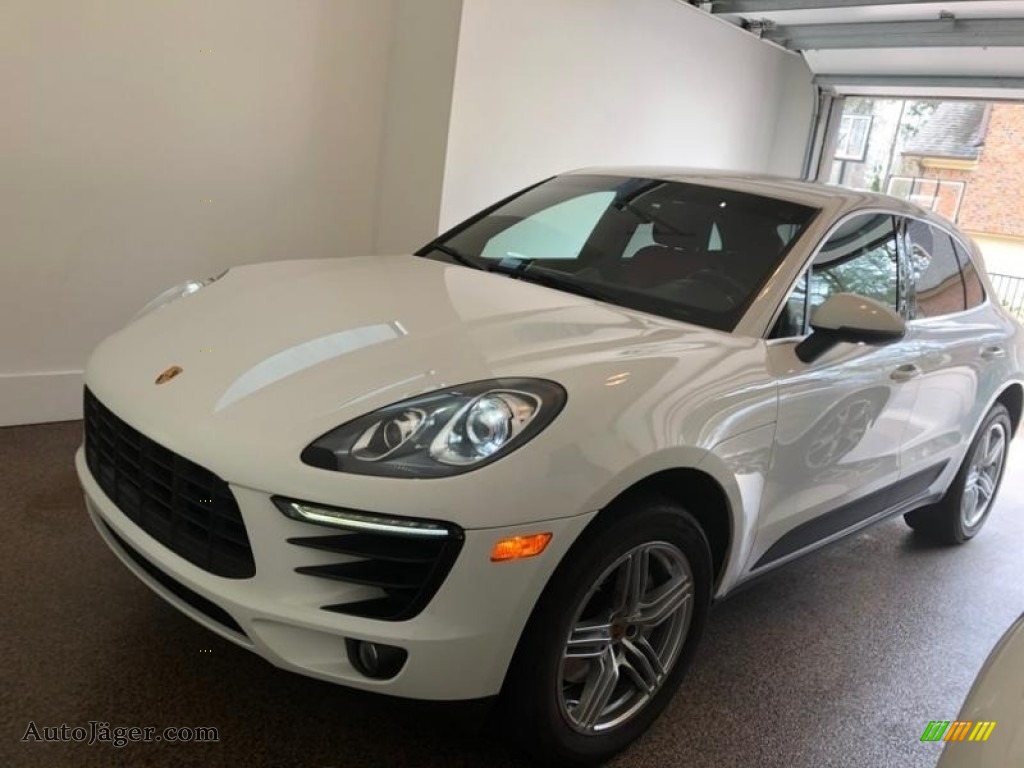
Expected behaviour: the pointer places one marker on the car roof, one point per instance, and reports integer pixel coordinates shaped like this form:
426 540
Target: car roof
839 200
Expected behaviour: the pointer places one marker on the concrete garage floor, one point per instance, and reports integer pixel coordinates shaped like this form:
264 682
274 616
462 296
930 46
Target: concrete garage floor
838 660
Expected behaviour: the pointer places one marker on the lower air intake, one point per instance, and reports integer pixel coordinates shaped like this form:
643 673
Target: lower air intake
404 566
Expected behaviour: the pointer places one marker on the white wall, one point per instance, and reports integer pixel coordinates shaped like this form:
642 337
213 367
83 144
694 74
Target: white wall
542 86
419 100
794 117
115 126
143 143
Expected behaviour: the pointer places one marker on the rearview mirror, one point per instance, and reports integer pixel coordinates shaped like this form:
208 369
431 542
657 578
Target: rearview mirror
850 318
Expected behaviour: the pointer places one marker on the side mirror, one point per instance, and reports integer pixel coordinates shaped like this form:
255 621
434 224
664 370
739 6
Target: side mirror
851 318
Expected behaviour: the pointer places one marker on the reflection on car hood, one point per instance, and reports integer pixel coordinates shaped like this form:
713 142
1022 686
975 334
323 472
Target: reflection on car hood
291 349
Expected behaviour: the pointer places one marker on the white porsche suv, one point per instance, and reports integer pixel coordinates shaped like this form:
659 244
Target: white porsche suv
525 461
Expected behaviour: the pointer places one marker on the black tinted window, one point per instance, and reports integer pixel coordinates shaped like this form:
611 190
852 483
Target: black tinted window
860 257
974 290
936 286
687 251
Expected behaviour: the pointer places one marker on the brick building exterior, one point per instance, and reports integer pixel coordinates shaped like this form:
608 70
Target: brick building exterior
983 147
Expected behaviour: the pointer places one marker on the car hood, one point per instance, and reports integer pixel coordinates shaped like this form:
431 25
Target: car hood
274 355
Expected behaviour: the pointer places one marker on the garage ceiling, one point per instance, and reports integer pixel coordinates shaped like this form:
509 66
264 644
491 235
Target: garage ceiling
965 48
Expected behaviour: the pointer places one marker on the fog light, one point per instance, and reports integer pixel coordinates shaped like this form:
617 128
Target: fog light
376 660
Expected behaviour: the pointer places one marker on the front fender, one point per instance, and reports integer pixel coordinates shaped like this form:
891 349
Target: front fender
737 465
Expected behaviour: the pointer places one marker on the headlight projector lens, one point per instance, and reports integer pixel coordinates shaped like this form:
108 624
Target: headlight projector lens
441 433
489 424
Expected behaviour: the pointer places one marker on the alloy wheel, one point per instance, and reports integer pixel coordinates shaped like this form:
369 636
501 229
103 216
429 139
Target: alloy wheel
626 637
983 476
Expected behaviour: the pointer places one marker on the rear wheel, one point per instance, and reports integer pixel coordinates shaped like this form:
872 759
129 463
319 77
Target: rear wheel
962 512
612 636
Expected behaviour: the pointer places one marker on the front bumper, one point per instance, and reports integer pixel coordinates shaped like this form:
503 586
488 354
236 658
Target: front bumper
459 646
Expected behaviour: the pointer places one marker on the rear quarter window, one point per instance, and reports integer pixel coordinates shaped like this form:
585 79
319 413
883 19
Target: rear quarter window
975 293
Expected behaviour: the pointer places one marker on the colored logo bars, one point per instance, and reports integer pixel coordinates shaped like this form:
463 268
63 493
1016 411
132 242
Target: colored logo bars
958 730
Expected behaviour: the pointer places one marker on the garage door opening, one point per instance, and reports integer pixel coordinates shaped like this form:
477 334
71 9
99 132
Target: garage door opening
962 159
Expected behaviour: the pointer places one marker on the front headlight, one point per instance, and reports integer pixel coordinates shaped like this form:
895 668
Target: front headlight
441 433
179 291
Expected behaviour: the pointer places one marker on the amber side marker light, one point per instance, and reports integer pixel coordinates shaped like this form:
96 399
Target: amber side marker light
518 547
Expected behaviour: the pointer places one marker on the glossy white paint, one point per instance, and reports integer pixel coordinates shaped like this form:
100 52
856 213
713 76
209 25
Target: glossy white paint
997 696
838 434
458 649
275 355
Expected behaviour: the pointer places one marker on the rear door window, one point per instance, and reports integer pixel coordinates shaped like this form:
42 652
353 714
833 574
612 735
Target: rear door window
936 287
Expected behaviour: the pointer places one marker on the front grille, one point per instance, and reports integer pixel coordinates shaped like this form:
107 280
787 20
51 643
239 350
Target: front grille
401 571
183 593
186 508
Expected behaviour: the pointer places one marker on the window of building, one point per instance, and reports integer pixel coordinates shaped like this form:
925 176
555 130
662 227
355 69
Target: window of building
939 195
852 143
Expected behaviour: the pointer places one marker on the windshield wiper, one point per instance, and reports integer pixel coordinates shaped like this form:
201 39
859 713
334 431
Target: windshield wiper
461 258
529 271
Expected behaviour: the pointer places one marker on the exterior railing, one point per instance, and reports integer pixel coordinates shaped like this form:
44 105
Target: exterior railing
1010 290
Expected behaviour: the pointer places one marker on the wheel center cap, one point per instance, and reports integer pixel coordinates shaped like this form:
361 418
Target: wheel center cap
619 630
622 629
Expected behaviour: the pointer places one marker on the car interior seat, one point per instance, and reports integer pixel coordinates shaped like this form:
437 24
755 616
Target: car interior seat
674 255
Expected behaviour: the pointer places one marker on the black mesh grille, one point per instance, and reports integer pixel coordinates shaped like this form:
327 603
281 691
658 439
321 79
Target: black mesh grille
186 508
183 593
405 570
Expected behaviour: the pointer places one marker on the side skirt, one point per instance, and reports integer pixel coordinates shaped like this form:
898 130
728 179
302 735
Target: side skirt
897 499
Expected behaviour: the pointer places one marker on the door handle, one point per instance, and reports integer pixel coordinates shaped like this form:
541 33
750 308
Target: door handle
905 372
993 352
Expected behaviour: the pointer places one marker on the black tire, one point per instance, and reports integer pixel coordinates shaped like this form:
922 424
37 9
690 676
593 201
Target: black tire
532 706
946 521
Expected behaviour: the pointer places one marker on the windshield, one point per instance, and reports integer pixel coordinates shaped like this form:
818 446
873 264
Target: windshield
685 251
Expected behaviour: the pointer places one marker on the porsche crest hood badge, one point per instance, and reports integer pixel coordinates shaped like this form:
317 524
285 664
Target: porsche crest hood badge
169 374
